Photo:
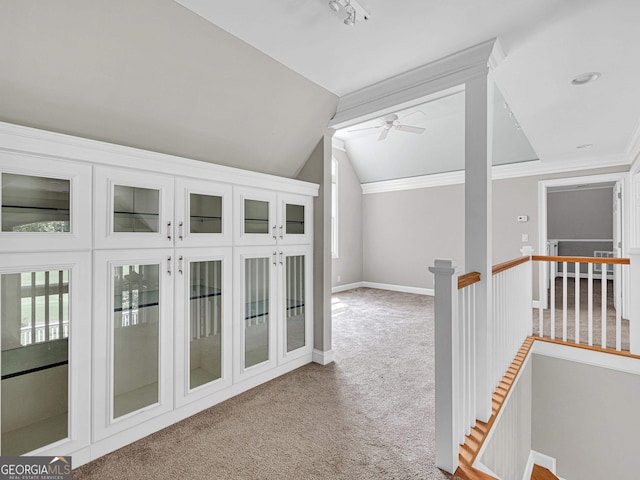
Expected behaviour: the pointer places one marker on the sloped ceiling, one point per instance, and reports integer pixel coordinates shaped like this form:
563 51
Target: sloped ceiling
440 148
547 43
153 75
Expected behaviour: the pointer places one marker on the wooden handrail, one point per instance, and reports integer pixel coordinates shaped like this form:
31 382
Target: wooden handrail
501 267
468 279
614 261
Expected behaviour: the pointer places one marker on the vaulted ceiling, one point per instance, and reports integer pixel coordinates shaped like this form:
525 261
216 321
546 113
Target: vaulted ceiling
255 83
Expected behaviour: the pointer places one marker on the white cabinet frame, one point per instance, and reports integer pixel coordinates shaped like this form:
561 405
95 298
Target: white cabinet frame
241 254
79 266
305 251
79 176
184 394
295 239
243 238
105 181
184 237
104 423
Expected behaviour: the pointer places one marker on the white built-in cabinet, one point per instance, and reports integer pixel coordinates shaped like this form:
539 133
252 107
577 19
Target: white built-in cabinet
270 218
272 323
131 298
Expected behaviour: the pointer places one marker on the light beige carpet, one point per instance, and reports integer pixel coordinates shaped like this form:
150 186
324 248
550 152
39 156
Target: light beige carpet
368 416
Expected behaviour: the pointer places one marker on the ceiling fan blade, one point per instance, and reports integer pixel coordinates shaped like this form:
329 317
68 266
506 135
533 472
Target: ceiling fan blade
383 134
410 129
364 128
416 114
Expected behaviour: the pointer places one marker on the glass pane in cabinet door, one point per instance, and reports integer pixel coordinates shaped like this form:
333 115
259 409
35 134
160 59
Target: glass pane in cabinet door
295 219
256 216
295 300
135 209
205 316
256 311
34 311
35 204
205 212
136 337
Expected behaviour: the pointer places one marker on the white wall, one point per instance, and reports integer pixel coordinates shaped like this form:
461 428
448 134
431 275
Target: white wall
587 417
348 265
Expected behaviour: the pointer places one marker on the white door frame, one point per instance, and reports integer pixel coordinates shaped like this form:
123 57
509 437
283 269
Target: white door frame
543 186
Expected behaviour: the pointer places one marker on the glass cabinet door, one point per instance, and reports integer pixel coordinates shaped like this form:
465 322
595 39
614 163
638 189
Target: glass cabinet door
258 222
295 223
136 336
296 312
257 310
203 322
133 299
38 367
133 208
44 211
203 213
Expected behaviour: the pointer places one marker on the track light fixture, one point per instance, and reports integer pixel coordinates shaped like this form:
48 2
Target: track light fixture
355 11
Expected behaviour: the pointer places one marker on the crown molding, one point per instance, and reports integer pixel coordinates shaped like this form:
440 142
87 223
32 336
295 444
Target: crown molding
499 172
20 140
339 144
633 148
451 71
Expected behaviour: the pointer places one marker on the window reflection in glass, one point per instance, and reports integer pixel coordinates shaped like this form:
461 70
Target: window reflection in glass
35 204
256 321
295 300
205 317
34 319
136 337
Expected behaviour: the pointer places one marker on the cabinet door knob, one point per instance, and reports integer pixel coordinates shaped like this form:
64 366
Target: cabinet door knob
169 230
281 257
180 264
281 232
275 237
180 227
169 265
275 262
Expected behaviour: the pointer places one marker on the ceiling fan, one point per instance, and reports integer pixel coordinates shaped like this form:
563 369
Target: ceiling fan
393 121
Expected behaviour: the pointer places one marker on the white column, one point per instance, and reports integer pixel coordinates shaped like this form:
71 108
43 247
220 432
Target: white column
446 366
478 224
634 301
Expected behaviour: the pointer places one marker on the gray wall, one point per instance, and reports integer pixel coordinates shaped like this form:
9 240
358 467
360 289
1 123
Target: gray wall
587 417
152 74
348 265
508 449
580 214
317 169
403 232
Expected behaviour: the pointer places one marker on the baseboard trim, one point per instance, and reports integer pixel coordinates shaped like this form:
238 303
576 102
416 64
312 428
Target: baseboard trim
537 458
348 286
323 358
399 288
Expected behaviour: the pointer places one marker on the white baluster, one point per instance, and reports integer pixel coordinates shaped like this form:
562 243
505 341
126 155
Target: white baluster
603 301
590 302
617 272
577 302
564 301
552 306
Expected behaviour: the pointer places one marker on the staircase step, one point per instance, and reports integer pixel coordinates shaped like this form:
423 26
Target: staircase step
541 473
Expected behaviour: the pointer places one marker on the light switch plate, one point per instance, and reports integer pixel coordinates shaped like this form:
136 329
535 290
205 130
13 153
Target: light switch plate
523 218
